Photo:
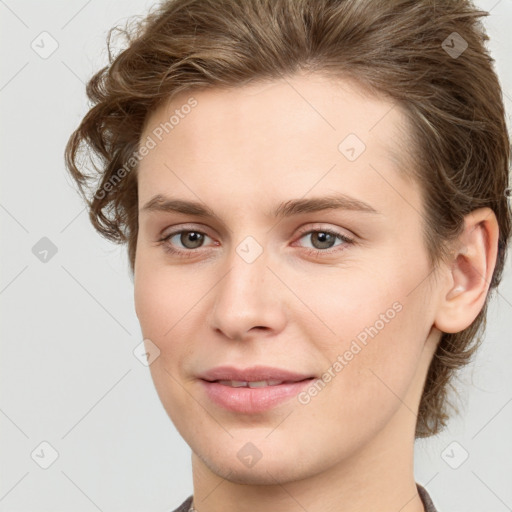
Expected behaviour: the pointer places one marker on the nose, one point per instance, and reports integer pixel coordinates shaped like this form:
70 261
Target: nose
249 299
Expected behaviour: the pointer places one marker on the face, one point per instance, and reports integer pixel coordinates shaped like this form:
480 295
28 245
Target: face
267 275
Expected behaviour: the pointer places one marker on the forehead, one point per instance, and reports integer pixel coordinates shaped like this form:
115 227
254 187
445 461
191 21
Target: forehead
273 132
304 100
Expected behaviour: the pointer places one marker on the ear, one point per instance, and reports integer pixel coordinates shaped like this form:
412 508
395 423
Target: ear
469 273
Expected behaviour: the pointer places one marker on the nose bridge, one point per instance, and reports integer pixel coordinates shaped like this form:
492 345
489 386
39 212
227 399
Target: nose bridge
248 295
246 284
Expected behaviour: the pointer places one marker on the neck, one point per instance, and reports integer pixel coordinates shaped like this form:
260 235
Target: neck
380 477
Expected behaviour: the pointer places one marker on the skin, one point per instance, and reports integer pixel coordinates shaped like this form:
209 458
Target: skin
241 152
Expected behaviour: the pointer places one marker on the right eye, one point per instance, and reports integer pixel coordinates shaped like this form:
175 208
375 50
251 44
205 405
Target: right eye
190 239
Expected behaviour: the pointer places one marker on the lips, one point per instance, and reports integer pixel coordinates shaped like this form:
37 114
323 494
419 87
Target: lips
252 390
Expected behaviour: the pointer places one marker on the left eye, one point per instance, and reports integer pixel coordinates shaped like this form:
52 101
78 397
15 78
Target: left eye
322 239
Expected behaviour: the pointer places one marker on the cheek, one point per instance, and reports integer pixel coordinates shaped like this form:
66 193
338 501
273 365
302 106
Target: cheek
167 301
162 302
344 304
151 303
371 333
162 296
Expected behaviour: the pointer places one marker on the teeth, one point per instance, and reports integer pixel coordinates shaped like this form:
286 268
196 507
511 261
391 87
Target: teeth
263 383
235 383
255 384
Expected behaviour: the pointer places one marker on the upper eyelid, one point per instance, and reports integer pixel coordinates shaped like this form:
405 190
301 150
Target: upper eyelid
185 228
204 230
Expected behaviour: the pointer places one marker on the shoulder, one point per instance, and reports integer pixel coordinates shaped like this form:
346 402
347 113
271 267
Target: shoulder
185 505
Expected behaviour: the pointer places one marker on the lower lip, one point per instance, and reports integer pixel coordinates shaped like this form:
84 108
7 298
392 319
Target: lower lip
252 400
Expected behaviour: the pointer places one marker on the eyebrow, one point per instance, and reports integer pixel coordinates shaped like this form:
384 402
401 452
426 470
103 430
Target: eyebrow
160 203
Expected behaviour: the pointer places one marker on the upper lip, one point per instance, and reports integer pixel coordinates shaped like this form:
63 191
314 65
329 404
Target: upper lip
252 374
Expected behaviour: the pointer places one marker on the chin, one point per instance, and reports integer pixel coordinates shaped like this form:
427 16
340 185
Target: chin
260 474
268 470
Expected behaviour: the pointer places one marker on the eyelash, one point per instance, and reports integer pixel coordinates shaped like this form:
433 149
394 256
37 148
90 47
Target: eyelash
188 253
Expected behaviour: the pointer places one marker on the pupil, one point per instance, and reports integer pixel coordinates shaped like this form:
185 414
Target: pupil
325 239
193 237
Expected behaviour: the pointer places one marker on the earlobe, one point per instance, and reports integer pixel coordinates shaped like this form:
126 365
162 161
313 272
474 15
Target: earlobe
468 278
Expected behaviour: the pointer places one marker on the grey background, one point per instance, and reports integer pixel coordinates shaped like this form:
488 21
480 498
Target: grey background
68 374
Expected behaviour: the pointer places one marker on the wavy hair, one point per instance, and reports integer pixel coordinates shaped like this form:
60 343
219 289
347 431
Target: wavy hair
429 57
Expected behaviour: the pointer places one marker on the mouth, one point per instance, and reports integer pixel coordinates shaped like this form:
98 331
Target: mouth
255 374
257 383
251 390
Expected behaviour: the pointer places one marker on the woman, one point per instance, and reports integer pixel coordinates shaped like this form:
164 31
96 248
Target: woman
314 198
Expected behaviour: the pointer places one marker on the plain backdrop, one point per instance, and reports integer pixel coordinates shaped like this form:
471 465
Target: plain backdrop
73 396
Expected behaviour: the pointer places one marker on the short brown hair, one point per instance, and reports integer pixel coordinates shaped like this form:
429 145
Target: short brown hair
402 49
